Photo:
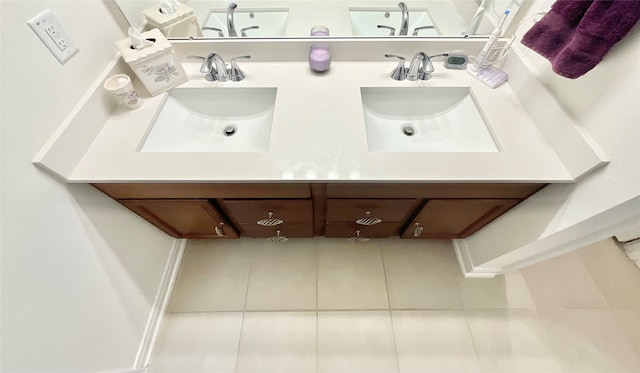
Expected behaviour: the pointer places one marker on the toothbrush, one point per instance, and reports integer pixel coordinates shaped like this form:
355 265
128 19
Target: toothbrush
484 54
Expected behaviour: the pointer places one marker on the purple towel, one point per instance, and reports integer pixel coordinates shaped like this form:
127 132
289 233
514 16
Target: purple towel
576 34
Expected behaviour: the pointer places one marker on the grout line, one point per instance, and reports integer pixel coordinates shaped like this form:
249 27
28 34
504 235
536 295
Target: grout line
473 342
393 331
246 293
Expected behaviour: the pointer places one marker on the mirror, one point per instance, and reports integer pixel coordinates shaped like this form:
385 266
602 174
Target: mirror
344 18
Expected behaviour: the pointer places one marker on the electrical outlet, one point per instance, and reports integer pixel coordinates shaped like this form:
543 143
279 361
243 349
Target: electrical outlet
50 31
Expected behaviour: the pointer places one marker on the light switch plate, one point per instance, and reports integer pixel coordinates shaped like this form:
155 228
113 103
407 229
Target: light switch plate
50 31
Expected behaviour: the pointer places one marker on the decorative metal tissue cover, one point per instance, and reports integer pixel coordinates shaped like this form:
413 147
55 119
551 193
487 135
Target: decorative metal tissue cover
156 66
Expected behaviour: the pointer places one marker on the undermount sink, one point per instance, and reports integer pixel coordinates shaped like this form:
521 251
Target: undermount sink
213 120
424 119
270 22
365 21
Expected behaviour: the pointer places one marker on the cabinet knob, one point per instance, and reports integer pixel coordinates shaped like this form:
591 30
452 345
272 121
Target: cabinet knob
417 232
368 220
278 237
358 237
270 221
220 230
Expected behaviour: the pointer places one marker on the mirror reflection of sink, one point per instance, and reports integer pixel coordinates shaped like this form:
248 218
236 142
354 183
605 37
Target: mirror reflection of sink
365 21
424 119
270 22
213 120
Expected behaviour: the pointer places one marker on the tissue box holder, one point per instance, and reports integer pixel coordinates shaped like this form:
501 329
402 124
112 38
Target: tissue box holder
156 66
182 23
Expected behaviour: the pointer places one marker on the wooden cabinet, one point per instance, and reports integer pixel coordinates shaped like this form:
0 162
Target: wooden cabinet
192 218
455 218
411 210
371 217
264 218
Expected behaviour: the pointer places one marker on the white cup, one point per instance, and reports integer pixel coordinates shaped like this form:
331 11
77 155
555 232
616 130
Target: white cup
120 87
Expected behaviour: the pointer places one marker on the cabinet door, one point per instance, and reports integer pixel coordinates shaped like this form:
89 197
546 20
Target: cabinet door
455 218
180 218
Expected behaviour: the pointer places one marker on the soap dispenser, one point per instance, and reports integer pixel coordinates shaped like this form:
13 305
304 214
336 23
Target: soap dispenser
152 59
319 54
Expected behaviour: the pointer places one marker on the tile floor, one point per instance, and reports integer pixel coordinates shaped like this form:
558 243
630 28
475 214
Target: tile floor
329 305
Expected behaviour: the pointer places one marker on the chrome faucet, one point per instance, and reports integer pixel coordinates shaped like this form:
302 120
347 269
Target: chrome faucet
404 27
400 72
420 67
231 28
213 67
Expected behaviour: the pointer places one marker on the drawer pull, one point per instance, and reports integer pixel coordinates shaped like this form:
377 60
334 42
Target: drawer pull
368 220
270 221
417 232
358 237
278 237
220 230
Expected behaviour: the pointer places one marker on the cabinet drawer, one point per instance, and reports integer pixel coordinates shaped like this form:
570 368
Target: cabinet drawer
456 218
250 211
286 229
348 230
350 210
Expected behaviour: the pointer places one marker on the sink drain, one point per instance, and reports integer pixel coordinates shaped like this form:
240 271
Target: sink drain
408 130
229 130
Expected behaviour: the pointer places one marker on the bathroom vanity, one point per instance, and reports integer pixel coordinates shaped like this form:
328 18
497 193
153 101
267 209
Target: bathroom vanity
371 210
316 154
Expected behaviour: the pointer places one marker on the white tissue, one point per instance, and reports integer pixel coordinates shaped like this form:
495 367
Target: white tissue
168 6
137 40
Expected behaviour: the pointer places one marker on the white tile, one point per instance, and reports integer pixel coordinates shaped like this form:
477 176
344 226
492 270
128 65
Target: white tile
434 341
562 282
283 277
421 274
350 276
356 342
198 342
503 291
614 273
278 342
511 341
213 275
590 341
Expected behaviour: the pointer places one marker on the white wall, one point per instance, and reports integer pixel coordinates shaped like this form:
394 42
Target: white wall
605 103
79 273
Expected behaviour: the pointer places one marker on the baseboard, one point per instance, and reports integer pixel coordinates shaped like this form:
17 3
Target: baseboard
466 264
160 304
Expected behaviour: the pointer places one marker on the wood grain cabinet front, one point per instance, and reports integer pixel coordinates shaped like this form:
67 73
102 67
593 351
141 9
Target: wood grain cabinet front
264 218
455 218
183 218
368 217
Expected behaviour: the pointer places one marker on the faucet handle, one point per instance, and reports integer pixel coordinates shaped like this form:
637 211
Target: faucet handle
243 31
205 68
400 72
415 30
220 34
392 30
235 74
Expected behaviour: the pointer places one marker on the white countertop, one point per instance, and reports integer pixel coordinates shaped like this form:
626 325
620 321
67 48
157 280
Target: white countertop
318 134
